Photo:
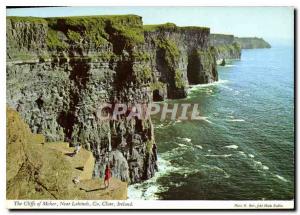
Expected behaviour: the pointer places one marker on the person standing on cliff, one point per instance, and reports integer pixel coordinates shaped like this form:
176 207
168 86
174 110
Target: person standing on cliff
107 176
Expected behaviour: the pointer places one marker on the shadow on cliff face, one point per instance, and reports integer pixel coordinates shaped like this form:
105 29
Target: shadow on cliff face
123 74
194 69
167 73
201 68
79 76
118 41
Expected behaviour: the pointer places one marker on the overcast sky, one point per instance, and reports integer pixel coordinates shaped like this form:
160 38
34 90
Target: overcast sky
271 23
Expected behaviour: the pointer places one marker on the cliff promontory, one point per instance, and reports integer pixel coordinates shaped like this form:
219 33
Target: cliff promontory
252 42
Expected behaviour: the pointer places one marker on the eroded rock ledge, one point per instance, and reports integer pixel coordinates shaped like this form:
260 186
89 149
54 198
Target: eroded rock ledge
37 169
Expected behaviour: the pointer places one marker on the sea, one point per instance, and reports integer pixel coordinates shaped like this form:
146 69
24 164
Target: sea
243 147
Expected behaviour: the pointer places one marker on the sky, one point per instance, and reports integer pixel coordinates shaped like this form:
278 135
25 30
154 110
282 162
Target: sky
270 23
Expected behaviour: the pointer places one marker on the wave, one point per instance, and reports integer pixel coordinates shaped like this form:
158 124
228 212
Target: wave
235 120
224 155
281 178
251 155
242 153
182 145
185 139
166 124
265 167
231 147
205 119
197 86
260 165
159 125
148 190
199 146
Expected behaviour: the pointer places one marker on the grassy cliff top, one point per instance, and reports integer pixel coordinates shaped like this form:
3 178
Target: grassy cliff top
171 26
252 42
61 32
76 19
222 35
28 19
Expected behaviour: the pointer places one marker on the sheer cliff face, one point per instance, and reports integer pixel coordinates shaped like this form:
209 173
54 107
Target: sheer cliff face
179 56
59 71
225 46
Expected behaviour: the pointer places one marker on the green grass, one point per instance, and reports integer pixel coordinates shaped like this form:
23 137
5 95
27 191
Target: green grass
179 82
141 56
29 19
143 75
152 28
74 36
157 85
195 28
104 56
94 28
171 51
172 26
54 42
149 145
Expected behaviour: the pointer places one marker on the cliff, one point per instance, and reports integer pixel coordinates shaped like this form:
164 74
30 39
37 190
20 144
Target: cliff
179 56
60 70
37 169
225 47
252 42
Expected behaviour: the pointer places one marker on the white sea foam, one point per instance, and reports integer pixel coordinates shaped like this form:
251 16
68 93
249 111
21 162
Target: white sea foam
182 145
242 153
231 147
185 139
204 118
159 125
236 120
251 155
177 121
199 86
258 163
148 190
281 178
265 167
199 146
225 155
178 184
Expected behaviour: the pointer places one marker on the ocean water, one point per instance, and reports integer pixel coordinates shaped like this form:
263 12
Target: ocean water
244 149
